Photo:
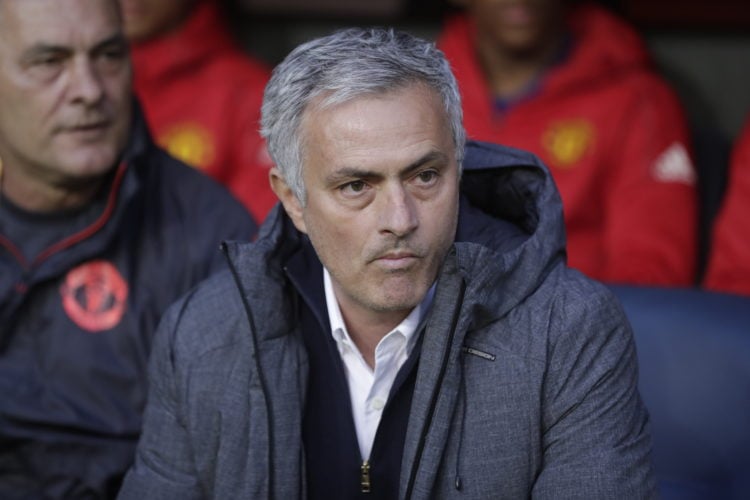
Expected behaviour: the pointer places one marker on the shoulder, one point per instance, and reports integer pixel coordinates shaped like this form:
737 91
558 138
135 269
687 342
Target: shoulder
648 86
565 315
206 319
573 292
192 196
586 327
576 300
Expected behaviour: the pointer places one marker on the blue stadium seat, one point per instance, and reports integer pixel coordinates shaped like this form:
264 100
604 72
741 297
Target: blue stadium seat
694 354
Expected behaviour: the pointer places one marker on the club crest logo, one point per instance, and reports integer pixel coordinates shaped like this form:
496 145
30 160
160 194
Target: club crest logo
568 141
94 296
190 143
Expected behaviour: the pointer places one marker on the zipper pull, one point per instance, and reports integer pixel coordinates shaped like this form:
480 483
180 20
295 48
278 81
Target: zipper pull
365 477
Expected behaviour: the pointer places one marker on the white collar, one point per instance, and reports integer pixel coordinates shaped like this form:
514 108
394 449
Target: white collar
407 327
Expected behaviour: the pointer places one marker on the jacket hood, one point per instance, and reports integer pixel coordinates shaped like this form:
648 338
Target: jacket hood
510 233
198 39
602 46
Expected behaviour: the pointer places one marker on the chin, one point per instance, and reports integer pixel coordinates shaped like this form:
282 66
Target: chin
405 300
91 166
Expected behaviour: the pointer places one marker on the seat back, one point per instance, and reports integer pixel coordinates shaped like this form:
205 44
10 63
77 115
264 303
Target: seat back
694 355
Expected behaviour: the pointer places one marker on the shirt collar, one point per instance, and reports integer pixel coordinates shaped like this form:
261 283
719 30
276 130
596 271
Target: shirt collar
407 327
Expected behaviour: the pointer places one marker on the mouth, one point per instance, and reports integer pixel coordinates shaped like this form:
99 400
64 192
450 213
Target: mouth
397 260
87 130
85 127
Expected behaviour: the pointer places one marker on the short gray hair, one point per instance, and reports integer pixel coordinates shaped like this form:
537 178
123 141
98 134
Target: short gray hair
347 64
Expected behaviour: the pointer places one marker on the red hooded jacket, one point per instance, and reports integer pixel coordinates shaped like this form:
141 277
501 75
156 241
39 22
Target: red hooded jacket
202 95
616 140
729 265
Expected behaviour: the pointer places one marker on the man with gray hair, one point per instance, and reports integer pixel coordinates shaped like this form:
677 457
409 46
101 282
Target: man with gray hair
100 231
404 327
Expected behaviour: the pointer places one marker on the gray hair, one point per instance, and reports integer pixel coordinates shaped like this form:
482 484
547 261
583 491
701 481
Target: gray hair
347 64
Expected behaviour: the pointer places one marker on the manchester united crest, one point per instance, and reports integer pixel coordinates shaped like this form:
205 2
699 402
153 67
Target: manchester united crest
94 296
567 142
190 143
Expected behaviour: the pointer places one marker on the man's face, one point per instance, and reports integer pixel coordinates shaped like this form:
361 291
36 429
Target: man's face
146 19
517 25
382 198
65 100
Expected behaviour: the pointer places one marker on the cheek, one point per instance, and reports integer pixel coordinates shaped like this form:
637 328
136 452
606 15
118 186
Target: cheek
440 219
119 87
338 239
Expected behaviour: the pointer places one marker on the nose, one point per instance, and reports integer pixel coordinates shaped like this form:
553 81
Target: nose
86 84
399 212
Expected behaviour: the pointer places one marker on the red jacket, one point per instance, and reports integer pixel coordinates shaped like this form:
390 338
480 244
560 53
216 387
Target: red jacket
615 139
729 264
202 96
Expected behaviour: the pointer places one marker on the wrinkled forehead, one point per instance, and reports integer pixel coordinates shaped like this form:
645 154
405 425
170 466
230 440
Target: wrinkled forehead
58 22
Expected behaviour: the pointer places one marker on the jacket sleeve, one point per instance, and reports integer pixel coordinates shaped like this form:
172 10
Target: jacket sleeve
651 208
596 442
163 467
729 263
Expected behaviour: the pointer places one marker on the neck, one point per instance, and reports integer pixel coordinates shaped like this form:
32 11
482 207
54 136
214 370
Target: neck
509 72
35 195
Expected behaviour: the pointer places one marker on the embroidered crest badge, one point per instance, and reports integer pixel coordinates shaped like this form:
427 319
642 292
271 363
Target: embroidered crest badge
94 296
190 143
567 142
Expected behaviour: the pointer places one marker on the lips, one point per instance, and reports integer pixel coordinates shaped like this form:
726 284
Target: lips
92 129
397 256
397 260
88 126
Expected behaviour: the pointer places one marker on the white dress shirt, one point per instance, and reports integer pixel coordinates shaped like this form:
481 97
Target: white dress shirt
368 388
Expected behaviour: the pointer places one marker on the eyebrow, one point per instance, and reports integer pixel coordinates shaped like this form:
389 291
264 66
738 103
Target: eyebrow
46 48
344 173
116 39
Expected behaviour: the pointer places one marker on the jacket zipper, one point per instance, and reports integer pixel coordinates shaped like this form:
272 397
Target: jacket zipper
364 479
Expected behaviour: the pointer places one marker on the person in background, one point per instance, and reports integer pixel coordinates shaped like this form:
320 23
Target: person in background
574 84
100 231
201 93
729 263
405 326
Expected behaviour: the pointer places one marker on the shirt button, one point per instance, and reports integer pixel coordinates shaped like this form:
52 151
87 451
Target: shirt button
378 404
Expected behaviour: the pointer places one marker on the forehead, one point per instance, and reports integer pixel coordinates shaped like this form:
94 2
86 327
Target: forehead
393 124
69 23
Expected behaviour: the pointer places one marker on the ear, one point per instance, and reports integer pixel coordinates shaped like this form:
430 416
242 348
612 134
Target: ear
291 204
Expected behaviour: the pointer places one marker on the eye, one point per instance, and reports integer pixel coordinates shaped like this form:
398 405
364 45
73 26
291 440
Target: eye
46 66
353 188
112 57
427 177
114 54
48 61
